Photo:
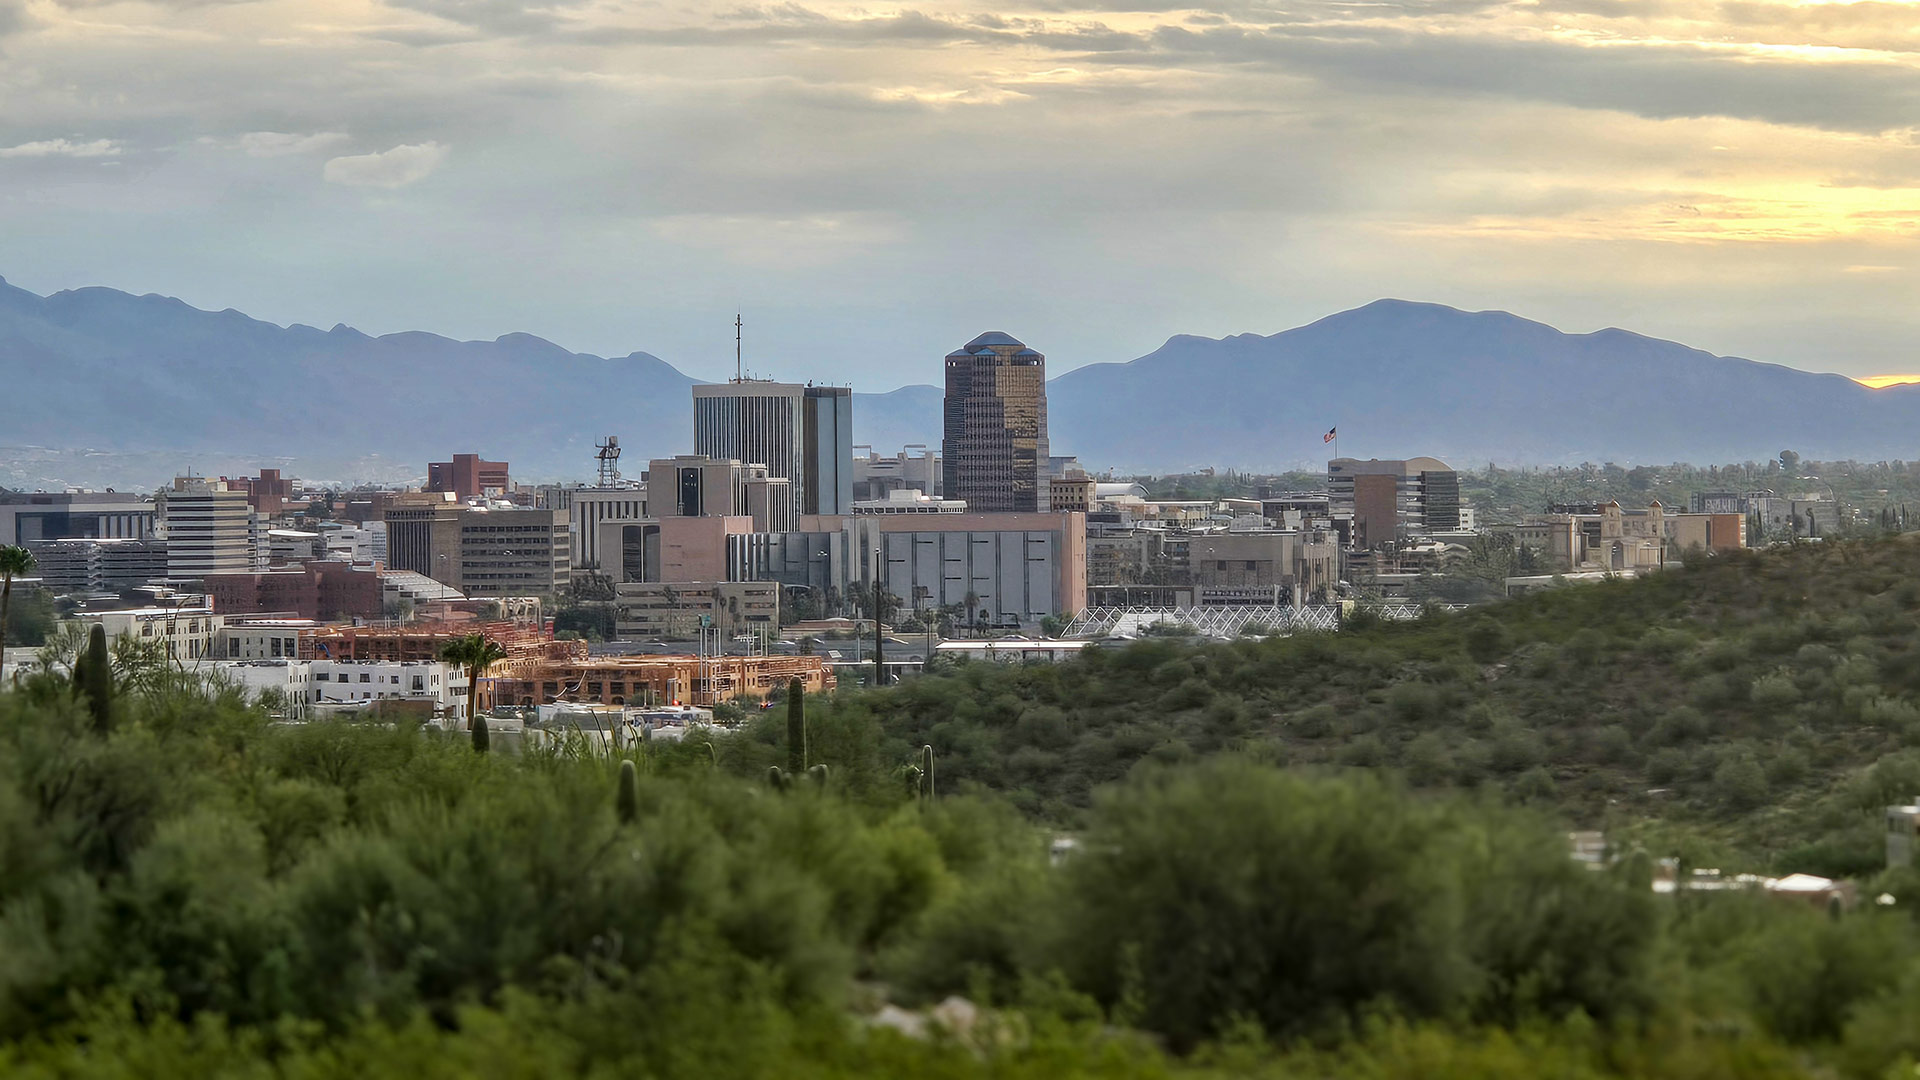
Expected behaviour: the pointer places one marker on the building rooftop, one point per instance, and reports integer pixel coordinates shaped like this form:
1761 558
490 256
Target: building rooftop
993 337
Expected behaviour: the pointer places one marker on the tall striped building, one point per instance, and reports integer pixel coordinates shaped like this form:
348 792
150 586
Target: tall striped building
804 433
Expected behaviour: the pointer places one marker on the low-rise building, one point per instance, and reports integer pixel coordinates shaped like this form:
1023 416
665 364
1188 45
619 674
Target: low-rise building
875 476
185 632
669 548
1284 566
435 681
679 610
292 680
909 501
1706 532
30 517
638 680
314 589
300 683
1004 569
101 565
1071 493
265 637
1012 652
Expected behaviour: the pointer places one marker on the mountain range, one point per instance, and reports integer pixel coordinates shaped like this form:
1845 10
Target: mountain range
101 384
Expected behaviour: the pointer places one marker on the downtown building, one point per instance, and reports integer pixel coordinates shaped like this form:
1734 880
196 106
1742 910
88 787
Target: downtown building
468 476
483 552
1002 569
802 433
31 517
210 528
1390 501
994 454
590 508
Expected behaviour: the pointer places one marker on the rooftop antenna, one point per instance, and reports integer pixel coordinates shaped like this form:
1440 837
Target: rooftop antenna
609 457
738 375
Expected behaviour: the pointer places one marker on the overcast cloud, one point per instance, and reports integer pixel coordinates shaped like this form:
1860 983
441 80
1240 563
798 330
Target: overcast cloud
874 185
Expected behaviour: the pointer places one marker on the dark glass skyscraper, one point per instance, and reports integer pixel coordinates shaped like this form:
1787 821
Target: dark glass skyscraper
995 450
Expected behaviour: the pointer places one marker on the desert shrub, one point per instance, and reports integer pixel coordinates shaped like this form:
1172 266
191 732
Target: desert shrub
1176 898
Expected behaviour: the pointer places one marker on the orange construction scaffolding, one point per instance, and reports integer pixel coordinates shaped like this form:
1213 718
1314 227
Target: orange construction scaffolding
637 680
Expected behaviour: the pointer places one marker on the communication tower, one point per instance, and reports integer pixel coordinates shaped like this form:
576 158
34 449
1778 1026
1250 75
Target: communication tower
609 457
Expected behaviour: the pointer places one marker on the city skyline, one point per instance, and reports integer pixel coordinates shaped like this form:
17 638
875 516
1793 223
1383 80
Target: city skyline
619 177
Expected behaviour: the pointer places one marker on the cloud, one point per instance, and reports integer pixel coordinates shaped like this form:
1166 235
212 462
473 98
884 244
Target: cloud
507 17
62 148
281 144
393 168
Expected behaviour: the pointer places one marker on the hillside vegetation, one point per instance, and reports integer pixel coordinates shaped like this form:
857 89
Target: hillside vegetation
1266 877
1766 700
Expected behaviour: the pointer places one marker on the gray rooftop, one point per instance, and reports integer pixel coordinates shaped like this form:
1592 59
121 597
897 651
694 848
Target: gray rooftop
993 337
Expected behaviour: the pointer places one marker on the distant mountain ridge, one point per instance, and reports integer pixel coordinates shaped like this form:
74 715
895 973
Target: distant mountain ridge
150 377
1400 378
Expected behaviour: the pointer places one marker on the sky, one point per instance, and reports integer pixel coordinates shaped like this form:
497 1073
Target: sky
872 185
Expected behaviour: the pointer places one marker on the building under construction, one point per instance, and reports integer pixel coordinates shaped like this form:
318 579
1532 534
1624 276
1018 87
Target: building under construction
539 670
527 644
646 680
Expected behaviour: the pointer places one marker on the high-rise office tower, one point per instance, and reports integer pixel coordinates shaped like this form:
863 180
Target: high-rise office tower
804 433
209 528
995 452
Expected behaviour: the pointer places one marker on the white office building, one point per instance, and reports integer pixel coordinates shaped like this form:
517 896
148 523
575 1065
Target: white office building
347 682
186 632
594 507
209 528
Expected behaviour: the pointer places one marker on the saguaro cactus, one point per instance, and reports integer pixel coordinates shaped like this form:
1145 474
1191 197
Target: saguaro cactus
796 727
926 770
93 680
480 740
626 801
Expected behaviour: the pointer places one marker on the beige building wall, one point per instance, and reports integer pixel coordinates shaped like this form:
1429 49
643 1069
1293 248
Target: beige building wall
695 548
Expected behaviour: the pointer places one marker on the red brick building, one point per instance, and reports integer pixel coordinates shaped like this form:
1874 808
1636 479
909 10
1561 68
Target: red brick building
467 476
268 493
314 590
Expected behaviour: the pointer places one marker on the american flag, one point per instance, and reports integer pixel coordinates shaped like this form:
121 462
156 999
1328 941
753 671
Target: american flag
1332 433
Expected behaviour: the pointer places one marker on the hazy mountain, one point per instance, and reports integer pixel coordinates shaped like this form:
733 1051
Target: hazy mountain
103 369
1401 378
103 387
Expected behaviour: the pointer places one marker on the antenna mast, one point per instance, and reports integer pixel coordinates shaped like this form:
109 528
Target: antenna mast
609 455
737 375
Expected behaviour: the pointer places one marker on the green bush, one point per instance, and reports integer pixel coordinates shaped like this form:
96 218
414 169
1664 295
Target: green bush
1230 889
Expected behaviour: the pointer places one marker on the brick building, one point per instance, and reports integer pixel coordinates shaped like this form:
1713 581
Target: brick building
312 590
467 476
269 493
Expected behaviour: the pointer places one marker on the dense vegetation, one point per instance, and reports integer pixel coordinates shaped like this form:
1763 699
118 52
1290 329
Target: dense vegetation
1270 874
1766 701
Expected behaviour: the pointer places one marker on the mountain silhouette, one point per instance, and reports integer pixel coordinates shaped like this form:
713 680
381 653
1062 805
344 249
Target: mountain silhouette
151 377
1400 379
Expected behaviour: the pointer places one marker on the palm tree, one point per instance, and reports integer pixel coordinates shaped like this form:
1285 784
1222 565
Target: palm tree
15 561
476 653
